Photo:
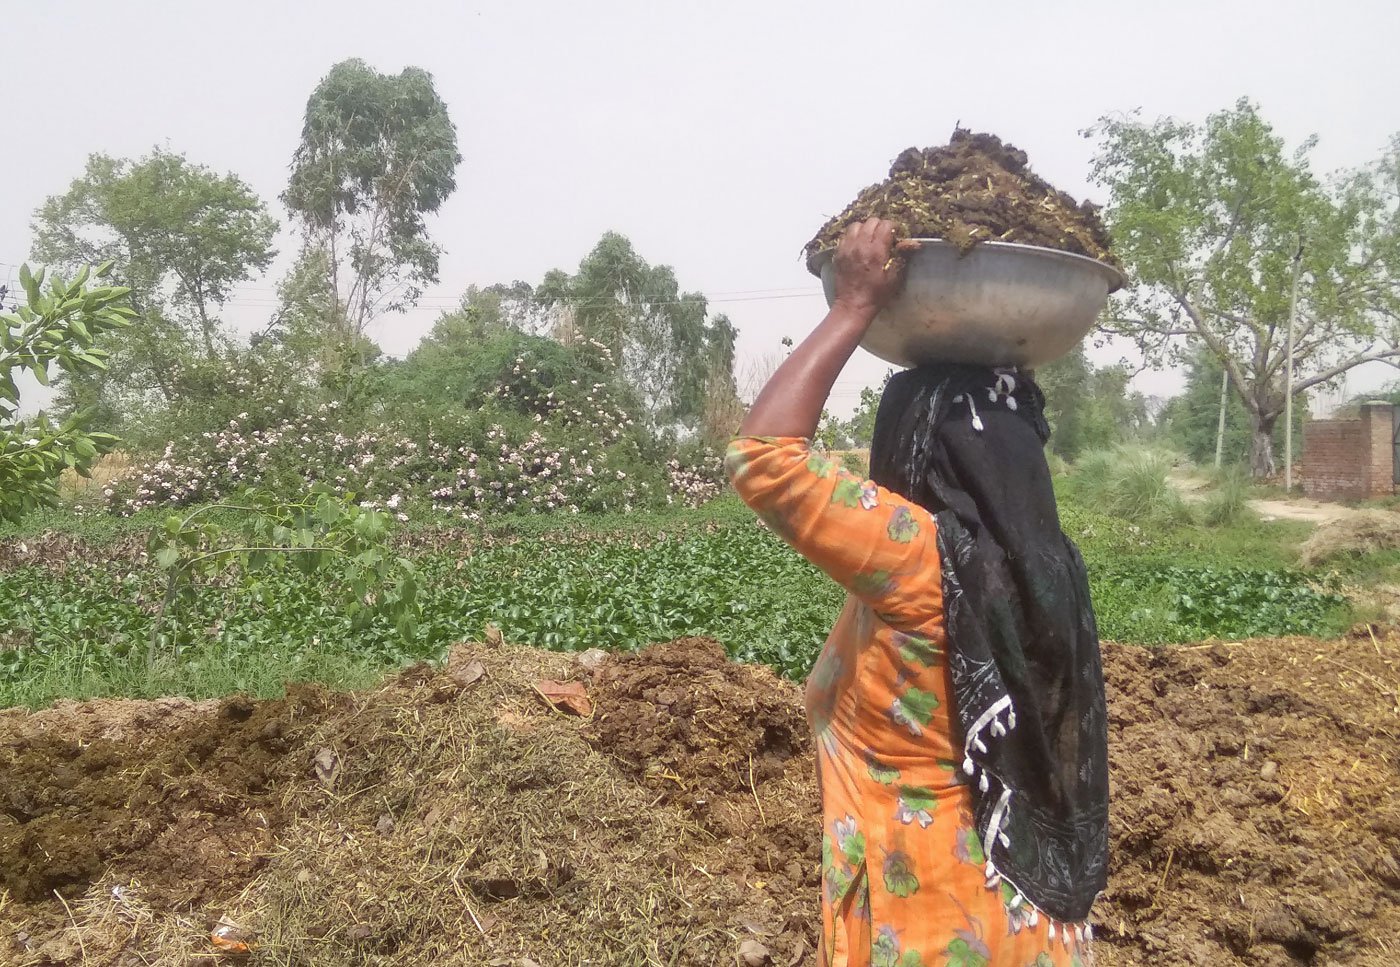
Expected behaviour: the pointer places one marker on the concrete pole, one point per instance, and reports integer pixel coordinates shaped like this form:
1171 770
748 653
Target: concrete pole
1288 374
1220 427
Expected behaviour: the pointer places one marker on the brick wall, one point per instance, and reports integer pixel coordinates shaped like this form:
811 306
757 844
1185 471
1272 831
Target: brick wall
1378 436
1349 459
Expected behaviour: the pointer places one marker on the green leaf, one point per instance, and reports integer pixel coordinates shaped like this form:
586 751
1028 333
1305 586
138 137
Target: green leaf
31 283
167 556
76 285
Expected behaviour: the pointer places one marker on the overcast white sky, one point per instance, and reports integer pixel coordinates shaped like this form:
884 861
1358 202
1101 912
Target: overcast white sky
718 136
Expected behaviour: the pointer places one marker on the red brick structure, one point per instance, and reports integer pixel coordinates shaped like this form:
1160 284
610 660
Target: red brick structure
1350 459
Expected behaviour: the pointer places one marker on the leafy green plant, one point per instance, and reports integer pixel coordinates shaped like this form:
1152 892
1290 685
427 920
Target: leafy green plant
1156 603
570 583
320 534
58 327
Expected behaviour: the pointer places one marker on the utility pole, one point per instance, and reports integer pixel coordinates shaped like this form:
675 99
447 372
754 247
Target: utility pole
1220 427
1288 373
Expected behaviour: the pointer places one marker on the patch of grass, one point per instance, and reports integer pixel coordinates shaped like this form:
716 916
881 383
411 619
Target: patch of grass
97 527
257 674
1228 503
615 582
1132 483
108 467
84 631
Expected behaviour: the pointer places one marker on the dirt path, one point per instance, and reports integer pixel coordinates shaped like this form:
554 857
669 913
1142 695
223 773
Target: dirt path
1299 508
1194 489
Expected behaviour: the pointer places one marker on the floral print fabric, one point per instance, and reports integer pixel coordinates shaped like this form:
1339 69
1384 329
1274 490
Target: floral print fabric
902 864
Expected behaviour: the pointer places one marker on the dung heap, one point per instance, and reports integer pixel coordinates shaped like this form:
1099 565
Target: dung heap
973 189
455 816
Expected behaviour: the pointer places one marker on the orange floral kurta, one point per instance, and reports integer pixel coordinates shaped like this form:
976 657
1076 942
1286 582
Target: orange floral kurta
902 864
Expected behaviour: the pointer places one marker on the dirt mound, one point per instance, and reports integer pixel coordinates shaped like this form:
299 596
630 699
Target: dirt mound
973 189
111 718
183 814
683 715
448 817
453 816
1355 534
729 743
1254 811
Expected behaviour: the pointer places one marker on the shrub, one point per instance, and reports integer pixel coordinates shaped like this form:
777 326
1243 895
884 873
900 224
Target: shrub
530 448
1228 503
857 462
1132 483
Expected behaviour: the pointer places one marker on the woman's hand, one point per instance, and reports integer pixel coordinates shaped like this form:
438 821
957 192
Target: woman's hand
869 271
869 266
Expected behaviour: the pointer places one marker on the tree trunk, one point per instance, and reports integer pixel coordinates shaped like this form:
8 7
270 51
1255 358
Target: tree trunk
1261 448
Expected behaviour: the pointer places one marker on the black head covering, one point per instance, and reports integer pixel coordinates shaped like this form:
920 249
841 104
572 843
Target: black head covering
967 443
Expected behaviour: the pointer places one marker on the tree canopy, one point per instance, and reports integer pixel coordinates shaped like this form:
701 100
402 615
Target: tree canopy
181 237
378 153
1089 407
1207 221
662 341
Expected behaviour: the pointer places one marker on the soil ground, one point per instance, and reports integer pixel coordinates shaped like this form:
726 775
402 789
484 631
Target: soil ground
1299 508
973 189
454 817
1194 488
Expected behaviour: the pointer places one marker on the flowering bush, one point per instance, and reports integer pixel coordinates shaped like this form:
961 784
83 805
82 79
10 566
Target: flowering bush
694 484
535 447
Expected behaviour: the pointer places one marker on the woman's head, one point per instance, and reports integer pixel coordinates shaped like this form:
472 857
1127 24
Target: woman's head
902 423
917 402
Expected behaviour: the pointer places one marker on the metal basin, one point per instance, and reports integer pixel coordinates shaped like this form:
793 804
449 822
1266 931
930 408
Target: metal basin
1001 304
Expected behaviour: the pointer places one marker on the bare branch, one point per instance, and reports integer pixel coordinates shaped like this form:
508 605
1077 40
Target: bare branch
1222 353
1141 325
1383 355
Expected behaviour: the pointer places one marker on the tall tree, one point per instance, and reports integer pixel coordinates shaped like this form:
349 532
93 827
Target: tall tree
862 422
1207 220
378 153
181 237
661 339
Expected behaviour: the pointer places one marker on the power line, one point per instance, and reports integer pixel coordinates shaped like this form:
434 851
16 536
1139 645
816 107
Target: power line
432 303
716 294
568 303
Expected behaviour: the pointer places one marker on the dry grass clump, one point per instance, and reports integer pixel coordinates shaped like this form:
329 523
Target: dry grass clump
107 468
502 828
1355 535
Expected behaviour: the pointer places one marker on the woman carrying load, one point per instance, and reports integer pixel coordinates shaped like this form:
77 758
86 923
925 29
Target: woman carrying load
958 705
